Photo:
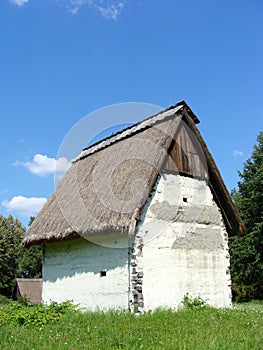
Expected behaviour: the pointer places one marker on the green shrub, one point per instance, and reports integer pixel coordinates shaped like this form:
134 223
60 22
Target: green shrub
41 314
242 292
4 300
193 303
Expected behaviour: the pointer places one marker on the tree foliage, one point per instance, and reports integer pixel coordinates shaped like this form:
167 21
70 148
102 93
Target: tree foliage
16 261
247 250
30 260
11 234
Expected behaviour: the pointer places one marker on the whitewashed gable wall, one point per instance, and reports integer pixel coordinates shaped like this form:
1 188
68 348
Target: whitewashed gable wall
184 246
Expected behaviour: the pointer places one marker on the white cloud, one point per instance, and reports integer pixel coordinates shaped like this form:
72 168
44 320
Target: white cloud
19 2
42 165
108 9
24 206
111 11
74 10
238 153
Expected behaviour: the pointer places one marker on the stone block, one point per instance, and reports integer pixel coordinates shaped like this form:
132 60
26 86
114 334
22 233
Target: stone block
139 288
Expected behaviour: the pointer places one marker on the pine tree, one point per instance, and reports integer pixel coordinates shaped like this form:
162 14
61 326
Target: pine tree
247 251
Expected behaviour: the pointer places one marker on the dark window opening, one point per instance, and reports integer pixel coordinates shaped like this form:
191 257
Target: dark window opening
184 199
103 273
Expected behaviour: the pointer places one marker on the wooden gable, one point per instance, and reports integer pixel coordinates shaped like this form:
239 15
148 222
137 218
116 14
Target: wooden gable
185 155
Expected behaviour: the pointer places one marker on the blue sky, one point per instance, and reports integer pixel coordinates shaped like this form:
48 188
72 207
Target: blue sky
63 59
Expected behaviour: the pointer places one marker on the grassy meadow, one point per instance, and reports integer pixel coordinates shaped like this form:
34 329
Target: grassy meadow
60 326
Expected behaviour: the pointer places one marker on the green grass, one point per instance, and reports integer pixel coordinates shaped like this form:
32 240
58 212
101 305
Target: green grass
61 327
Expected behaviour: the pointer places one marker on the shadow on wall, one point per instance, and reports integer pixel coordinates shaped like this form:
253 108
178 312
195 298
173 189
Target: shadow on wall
78 256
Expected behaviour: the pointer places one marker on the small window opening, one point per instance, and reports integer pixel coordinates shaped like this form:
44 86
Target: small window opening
103 273
185 199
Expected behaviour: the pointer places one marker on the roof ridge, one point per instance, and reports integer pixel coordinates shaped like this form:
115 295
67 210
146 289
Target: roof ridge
130 130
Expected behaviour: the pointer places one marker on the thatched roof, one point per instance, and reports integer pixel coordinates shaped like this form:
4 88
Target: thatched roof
29 288
107 186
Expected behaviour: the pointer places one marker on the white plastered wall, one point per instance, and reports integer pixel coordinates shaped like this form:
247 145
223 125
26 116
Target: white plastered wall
185 245
71 271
